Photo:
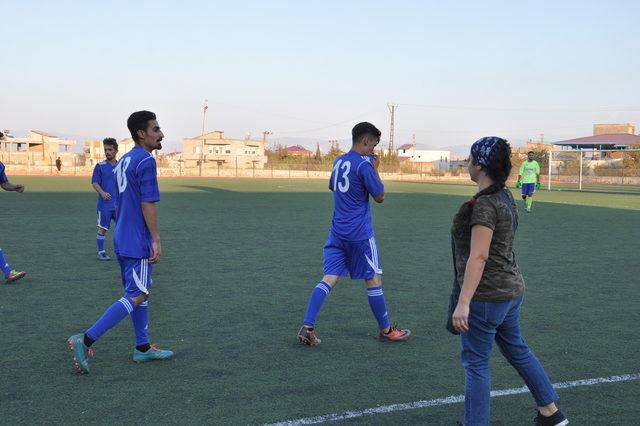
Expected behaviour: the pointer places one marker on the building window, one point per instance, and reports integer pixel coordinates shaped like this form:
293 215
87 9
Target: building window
250 150
218 149
196 149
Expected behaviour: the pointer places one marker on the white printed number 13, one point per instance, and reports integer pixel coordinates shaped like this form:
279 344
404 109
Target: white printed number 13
121 175
346 167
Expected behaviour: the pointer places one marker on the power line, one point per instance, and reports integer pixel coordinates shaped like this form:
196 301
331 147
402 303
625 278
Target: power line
524 109
327 126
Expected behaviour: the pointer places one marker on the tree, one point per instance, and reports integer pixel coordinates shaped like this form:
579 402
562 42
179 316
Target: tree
318 155
334 151
631 162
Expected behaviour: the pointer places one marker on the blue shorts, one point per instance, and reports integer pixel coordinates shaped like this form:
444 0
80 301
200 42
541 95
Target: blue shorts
105 217
528 188
136 275
359 258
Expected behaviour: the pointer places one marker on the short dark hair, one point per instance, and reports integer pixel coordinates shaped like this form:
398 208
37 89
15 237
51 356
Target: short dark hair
139 120
363 129
111 142
530 152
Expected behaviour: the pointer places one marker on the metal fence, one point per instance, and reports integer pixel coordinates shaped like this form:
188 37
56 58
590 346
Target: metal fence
592 170
606 170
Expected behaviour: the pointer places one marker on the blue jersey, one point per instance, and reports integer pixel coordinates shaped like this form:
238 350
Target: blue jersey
137 182
104 176
3 176
352 180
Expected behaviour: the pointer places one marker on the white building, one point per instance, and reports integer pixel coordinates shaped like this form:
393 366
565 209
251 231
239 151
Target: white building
214 150
440 159
40 148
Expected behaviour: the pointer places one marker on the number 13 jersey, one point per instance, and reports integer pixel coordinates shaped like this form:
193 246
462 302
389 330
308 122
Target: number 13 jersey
352 180
137 182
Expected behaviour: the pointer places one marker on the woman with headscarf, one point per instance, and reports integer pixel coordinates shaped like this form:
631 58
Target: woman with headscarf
490 288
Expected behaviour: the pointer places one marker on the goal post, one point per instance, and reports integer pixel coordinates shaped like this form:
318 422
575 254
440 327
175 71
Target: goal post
609 170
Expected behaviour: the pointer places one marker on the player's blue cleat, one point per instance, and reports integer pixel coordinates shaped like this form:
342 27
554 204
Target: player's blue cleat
80 352
102 256
151 355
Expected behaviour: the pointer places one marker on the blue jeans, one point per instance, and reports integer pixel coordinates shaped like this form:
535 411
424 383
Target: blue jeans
499 321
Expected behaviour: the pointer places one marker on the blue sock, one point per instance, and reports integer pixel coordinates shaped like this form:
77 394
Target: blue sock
319 293
111 317
100 241
4 265
140 320
378 306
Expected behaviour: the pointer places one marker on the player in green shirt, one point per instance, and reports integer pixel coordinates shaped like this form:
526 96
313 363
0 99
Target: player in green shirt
529 179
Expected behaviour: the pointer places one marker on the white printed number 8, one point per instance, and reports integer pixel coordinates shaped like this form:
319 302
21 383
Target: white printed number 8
121 175
346 167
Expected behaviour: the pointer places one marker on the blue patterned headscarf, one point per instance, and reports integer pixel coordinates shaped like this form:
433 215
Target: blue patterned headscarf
483 148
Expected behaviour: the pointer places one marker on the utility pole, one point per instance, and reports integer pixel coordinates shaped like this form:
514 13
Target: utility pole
204 118
413 154
392 110
264 136
265 133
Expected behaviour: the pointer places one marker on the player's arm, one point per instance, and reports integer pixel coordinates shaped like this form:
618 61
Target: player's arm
150 195
150 214
480 243
96 180
331 179
8 186
520 173
375 162
105 195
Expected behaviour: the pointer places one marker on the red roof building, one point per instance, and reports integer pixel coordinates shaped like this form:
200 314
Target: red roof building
298 151
606 141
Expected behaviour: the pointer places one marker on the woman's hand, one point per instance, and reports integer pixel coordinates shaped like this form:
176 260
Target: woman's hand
460 318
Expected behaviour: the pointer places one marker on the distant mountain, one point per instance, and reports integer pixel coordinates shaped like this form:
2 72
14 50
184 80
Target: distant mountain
457 150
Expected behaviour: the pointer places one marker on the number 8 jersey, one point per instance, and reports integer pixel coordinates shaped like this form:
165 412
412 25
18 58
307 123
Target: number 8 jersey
137 182
352 180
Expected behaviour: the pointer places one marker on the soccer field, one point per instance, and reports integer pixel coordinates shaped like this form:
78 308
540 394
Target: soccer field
240 258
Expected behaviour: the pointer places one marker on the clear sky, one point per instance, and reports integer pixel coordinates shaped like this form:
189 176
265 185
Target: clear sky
459 70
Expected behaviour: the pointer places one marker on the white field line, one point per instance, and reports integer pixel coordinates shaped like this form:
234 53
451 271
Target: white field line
454 399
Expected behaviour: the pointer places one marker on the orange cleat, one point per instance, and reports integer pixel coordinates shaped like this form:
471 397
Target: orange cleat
395 334
15 276
307 336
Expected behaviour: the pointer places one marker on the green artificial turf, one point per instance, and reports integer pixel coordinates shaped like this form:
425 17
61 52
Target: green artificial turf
240 258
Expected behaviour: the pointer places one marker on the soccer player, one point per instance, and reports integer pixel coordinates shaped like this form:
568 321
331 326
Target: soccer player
104 182
9 274
529 179
351 246
136 242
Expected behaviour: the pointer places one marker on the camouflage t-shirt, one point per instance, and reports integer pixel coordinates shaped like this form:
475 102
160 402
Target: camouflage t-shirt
501 279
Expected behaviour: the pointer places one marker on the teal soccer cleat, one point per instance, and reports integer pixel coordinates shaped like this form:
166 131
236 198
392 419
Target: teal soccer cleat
80 352
151 355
